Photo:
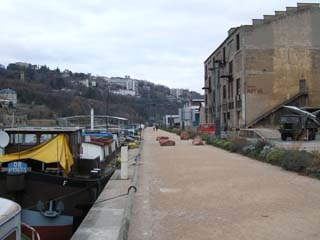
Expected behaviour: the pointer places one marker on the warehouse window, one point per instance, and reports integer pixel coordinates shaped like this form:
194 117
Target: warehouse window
238 41
230 89
302 85
230 68
238 86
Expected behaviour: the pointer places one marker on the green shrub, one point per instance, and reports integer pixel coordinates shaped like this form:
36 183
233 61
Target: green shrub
314 169
313 172
237 144
275 156
264 152
176 131
259 146
249 150
192 134
210 139
295 160
204 137
222 143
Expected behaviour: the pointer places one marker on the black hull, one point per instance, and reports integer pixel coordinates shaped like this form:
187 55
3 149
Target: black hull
77 194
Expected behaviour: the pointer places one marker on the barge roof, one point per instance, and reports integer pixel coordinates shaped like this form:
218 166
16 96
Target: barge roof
44 129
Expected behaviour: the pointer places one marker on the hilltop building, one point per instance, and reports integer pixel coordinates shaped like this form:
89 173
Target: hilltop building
24 65
89 82
127 85
178 93
259 68
66 73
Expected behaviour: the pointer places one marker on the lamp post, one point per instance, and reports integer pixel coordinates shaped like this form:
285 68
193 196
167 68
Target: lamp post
107 108
206 102
217 106
216 94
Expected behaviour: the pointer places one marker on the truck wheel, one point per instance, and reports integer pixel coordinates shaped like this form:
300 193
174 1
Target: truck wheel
312 136
283 137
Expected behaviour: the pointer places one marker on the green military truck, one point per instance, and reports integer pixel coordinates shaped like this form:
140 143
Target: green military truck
297 127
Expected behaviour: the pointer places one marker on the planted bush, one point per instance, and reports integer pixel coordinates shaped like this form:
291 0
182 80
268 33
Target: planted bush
275 156
264 152
237 144
222 143
314 169
192 133
292 160
261 146
176 131
249 150
295 160
208 138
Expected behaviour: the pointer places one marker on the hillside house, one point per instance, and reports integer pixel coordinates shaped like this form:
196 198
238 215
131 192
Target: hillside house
8 96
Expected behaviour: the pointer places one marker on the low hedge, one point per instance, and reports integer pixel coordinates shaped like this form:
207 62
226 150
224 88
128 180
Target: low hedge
291 160
222 143
274 157
298 161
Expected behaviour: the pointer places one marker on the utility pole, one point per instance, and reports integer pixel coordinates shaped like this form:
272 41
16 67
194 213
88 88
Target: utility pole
217 106
107 106
217 96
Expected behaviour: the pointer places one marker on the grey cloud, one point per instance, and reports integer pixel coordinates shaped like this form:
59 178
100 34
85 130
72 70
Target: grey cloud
163 41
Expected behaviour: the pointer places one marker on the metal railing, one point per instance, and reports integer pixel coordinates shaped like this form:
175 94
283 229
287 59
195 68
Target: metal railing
30 232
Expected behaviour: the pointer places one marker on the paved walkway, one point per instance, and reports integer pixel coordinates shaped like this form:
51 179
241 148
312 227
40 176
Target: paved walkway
201 192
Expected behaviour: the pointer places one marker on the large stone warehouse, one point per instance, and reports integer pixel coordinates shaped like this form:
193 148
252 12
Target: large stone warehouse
259 68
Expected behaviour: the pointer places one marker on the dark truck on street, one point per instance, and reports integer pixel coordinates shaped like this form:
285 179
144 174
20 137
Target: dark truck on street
299 126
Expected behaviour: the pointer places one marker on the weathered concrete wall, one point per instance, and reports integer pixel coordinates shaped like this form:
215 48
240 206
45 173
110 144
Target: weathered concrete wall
279 54
275 54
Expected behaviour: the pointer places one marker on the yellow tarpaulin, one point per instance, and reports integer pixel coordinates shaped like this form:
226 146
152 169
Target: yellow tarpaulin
52 151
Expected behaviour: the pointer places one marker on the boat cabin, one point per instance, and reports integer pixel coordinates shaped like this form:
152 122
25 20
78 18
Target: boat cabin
24 138
10 220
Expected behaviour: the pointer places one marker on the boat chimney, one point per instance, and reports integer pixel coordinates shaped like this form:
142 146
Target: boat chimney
91 119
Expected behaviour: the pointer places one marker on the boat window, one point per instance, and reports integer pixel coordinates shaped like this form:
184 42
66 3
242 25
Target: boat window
25 138
46 137
79 138
11 236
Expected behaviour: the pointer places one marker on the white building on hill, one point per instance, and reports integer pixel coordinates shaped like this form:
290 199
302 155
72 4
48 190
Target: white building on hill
8 96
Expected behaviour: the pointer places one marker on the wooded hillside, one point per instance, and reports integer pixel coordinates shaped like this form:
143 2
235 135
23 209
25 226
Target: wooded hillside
64 95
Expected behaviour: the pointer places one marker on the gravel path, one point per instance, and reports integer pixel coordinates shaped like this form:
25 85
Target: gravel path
202 192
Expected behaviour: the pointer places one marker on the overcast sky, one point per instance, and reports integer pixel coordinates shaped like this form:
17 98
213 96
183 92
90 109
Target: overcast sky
162 41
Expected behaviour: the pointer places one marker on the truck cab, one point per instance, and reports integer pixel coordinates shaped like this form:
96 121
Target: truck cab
297 127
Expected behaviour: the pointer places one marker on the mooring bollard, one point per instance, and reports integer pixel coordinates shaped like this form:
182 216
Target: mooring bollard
124 162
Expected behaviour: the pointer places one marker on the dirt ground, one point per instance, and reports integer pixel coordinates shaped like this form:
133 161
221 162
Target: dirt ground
202 192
